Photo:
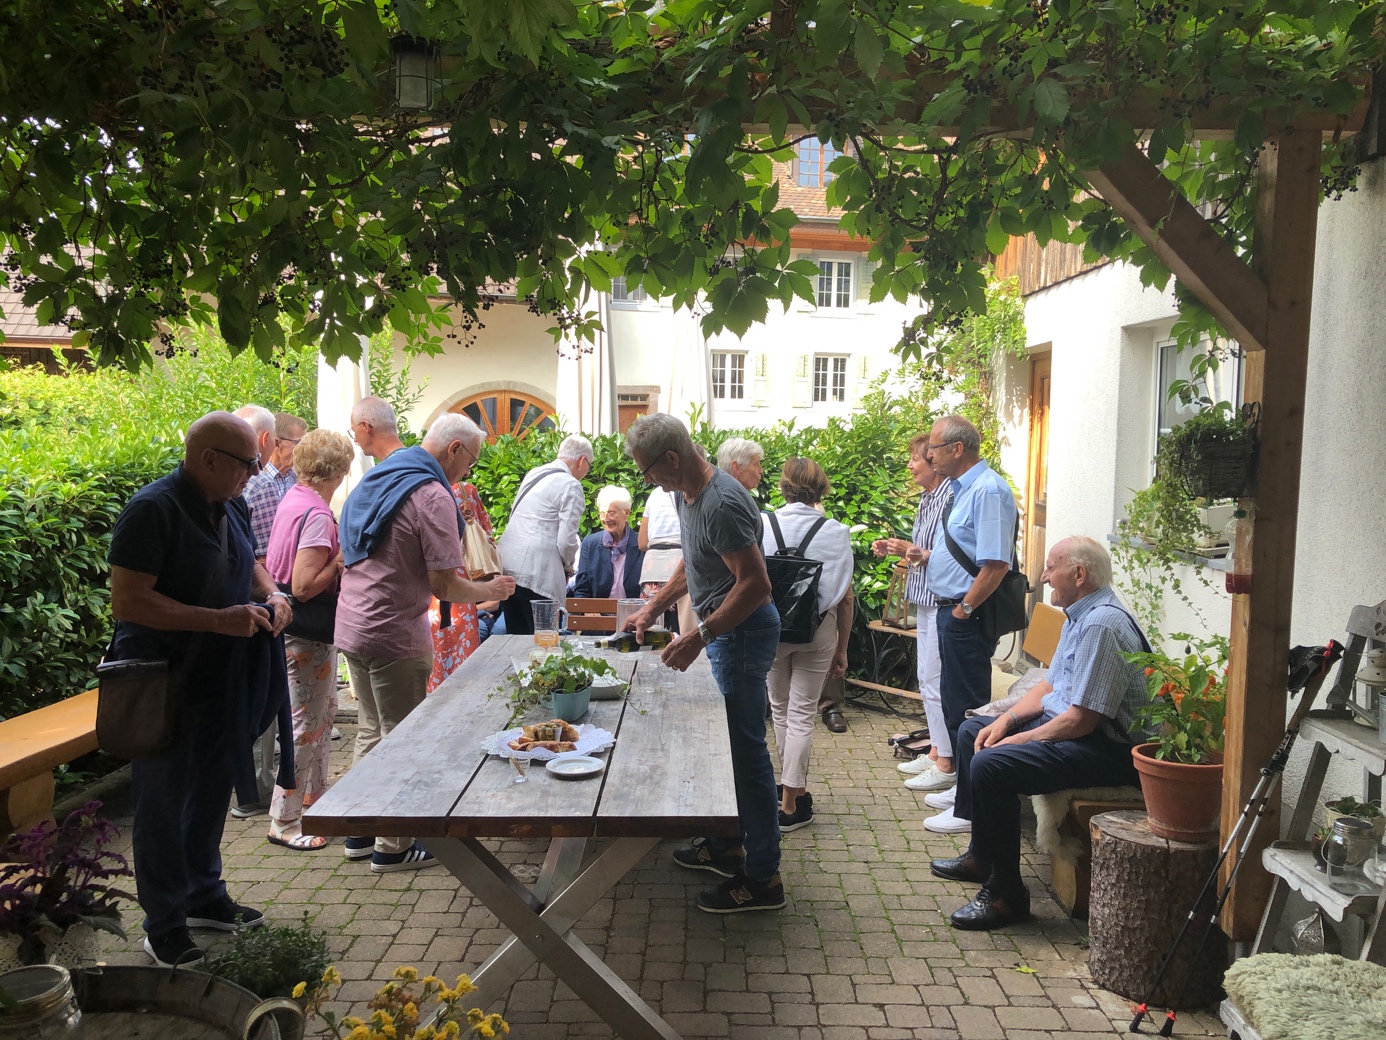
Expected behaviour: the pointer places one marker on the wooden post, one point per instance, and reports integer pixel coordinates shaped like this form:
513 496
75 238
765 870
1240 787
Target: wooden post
1286 228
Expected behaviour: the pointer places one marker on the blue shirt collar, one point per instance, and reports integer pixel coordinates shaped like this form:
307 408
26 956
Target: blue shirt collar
1092 599
970 477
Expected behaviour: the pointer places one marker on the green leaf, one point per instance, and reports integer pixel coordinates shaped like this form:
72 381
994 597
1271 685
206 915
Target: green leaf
1051 100
365 35
867 48
997 238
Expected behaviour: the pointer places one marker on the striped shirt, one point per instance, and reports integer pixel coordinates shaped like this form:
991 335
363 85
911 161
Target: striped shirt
931 507
263 494
1088 668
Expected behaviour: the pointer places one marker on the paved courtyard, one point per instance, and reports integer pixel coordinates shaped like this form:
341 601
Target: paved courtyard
863 950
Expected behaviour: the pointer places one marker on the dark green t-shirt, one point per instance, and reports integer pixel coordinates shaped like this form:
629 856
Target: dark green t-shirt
723 519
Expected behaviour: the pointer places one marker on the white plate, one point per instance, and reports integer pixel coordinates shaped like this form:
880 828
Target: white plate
574 767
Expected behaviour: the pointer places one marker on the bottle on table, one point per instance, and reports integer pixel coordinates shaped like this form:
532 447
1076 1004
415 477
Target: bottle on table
627 642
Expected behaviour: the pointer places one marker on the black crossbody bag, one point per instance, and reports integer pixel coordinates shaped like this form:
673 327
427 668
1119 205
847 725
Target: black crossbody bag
315 618
1004 610
138 702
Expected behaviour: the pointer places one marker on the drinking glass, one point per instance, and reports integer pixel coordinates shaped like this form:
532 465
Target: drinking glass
548 617
646 680
624 609
667 676
521 768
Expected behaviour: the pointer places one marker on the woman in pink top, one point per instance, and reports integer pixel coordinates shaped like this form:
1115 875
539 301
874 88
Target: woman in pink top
304 554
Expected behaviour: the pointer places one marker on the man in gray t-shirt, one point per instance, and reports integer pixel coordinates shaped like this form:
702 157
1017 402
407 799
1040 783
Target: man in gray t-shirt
722 520
724 573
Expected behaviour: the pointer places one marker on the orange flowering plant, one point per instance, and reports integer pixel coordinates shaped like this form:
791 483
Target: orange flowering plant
401 1010
1188 700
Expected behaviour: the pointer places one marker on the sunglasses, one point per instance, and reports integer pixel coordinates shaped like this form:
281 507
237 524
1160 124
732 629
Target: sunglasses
251 465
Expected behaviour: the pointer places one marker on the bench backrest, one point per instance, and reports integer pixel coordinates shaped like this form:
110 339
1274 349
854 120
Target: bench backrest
1042 637
591 615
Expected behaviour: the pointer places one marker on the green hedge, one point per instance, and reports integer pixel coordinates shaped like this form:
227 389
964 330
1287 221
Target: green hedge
74 449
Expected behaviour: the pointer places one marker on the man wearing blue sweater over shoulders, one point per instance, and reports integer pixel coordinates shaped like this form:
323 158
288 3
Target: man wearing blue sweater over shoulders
400 532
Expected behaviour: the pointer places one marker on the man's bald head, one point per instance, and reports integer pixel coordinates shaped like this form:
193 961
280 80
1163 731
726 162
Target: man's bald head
215 455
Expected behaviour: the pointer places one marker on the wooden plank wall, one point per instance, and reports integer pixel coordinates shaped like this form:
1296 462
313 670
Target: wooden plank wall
1038 267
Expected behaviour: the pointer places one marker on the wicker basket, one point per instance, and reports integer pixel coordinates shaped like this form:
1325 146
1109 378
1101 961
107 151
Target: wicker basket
1220 468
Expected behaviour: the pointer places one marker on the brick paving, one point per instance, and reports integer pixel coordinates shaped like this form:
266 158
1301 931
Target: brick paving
862 952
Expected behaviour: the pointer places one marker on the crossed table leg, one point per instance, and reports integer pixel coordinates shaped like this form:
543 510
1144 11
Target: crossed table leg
542 920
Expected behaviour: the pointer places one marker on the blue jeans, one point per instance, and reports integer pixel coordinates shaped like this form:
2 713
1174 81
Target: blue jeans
965 675
741 660
991 781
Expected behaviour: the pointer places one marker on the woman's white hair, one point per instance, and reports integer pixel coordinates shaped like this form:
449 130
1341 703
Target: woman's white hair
1092 557
740 451
575 447
453 426
613 495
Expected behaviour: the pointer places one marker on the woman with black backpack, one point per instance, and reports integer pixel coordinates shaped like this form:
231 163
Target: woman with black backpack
809 558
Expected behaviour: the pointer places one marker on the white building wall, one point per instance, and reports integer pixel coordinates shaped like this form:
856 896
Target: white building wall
1101 328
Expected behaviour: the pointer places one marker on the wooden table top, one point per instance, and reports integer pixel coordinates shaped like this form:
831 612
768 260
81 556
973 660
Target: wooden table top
668 775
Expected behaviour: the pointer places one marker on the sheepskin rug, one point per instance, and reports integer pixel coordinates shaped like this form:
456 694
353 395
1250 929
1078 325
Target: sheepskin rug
1322 997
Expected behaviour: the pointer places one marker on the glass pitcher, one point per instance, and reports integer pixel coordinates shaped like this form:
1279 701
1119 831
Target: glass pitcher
549 619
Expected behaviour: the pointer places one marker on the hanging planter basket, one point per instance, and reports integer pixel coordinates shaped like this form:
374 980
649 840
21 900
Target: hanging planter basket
1217 460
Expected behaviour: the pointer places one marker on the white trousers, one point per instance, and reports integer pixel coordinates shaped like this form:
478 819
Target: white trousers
795 683
930 686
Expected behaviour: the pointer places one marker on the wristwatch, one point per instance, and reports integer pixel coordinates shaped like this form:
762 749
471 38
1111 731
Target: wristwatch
705 633
278 592
967 608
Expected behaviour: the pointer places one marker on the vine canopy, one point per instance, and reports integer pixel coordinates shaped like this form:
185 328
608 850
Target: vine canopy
244 162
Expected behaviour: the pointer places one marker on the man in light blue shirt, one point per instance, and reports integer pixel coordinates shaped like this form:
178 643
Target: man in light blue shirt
1070 730
982 525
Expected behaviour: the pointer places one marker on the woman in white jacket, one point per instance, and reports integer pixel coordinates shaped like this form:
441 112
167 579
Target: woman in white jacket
796 679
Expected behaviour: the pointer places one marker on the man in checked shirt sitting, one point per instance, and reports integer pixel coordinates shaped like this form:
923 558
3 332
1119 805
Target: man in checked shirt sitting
1071 730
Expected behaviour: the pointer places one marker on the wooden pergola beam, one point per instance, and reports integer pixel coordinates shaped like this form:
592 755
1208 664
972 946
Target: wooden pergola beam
1164 220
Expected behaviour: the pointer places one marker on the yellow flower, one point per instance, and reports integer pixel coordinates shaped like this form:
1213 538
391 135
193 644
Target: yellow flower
331 977
361 1032
299 990
426 1033
407 974
431 980
484 1028
352 1022
410 1013
464 985
388 1032
451 1030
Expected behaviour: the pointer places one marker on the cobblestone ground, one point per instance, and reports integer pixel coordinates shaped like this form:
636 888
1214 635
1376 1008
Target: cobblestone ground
863 950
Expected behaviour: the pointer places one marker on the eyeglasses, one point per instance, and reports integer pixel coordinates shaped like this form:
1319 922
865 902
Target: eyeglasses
645 473
287 440
352 428
251 465
935 447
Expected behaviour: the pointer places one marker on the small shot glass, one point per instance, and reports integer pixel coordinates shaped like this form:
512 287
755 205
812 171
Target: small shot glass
521 768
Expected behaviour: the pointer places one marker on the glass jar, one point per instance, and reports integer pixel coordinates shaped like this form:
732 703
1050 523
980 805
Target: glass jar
47 1007
1349 847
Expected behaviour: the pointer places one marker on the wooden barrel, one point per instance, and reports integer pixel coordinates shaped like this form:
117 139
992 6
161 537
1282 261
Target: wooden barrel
120 1001
1142 888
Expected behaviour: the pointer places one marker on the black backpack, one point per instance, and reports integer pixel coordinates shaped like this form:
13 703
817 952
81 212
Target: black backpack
794 584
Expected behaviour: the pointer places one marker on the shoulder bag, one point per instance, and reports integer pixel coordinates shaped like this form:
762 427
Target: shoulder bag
794 584
315 618
480 557
1004 610
138 702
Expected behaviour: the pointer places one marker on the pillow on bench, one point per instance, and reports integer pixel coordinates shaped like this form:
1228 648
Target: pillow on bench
1285 997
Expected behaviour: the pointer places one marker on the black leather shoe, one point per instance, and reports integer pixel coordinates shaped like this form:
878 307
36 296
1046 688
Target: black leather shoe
835 720
961 868
990 911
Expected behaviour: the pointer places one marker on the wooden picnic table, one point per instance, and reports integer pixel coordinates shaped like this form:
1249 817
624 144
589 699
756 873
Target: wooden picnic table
668 776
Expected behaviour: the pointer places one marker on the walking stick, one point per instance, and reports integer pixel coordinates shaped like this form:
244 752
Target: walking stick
1308 668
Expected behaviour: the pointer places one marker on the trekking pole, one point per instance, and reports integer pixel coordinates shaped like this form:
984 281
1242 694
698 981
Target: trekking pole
1309 667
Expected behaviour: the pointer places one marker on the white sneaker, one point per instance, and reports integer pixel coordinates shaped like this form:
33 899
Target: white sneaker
934 779
946 823
915 766
942 799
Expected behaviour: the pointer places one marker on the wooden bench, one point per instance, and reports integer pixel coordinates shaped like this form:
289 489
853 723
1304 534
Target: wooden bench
597 616
31 745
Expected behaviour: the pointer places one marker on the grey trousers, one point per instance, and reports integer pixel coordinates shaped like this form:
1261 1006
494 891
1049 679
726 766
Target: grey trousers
264 751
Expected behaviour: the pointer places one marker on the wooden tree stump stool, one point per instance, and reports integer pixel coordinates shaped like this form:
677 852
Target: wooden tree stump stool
1142 888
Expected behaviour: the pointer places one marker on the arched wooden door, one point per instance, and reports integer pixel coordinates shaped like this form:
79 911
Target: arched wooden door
499 412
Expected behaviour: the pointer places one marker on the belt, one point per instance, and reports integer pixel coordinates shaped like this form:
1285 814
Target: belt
947 602
666 545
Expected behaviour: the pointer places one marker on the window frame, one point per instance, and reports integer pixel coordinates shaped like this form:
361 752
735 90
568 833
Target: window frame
812 171
732 377
1167 372
834 379
634 298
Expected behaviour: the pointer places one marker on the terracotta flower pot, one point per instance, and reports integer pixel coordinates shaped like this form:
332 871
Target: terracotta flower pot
1183 802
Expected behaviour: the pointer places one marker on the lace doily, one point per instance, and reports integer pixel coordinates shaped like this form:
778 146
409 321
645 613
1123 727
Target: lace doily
591 740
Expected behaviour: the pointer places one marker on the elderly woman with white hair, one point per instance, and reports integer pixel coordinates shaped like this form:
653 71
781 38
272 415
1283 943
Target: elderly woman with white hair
741 459
610 560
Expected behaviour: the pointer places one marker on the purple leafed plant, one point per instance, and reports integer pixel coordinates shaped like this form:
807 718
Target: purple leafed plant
55 876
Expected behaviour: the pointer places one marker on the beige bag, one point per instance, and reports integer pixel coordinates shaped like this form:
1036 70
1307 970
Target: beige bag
480 557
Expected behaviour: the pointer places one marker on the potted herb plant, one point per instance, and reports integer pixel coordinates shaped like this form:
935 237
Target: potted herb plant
273 962
1180 762
56 888
563 680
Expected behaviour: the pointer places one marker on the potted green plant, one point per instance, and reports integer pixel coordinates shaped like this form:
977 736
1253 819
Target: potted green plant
56 888
273 962
1180 760
563 680
1349 806
1211 455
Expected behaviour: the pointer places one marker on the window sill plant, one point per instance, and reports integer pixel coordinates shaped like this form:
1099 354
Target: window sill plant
57 879
1180 762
